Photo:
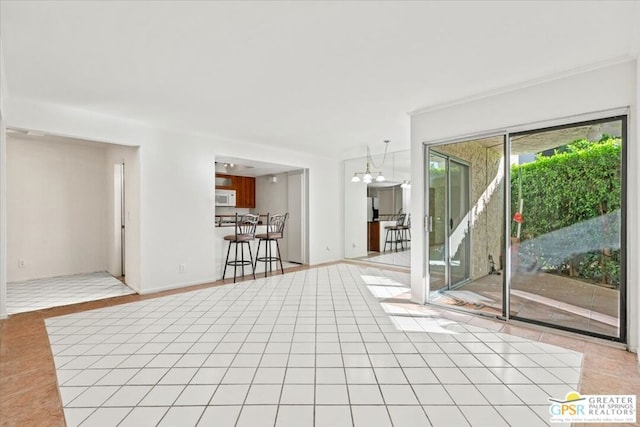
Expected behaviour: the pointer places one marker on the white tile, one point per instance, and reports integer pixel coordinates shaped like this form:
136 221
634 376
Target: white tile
263 415
480 376
540 376
510 375
67 394
432 394
75 416
408 416
297 394
522 416
294 416
239 376
329 376
264 394
230 394
102 417
450 375
356 360
420 376
117 377
182 415
329 360
220 416
333 416
128 395
178 376
365 394
93 397
87 377
398 394
384 361
390 376
331 394
445 416
301 361
498 394
463 394
300 376
148 376
144 416
370 416
269 376
482 416
360 376
208 376
196 394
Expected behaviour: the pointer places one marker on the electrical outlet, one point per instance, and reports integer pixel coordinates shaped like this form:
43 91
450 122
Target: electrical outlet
21 263
182 268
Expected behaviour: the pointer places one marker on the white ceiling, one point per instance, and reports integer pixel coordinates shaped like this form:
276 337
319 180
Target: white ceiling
324 77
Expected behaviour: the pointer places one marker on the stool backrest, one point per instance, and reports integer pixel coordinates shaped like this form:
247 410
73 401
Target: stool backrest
408 220
400 220
276 223
246 225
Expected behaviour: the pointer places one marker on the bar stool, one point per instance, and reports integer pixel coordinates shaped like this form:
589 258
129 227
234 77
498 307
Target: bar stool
275 232
406 230
244 232
396 233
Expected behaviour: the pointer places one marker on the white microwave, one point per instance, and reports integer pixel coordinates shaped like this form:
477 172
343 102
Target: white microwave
226 198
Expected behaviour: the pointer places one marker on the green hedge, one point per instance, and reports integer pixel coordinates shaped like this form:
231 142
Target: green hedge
572 210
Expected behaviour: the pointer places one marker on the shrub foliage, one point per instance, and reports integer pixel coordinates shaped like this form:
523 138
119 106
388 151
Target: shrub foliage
572 210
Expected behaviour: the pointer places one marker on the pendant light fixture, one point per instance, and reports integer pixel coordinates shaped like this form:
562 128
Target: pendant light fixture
367 177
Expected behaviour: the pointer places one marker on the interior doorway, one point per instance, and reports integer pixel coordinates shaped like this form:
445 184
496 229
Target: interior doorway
69 203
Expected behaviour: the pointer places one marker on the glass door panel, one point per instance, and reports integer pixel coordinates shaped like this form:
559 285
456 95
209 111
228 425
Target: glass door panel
466 214
438 221
567 209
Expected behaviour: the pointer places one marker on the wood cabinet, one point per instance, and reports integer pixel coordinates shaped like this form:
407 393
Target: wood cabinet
245 187
373 236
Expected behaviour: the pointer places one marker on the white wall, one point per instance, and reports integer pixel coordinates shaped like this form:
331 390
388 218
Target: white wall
552 101
57 208
273 198
355 211
177 192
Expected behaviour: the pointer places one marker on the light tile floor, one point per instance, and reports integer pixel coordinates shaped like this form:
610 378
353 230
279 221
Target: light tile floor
50 292
320 347
400 258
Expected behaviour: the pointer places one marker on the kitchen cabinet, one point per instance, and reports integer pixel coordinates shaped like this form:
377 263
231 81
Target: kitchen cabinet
373 236
245 187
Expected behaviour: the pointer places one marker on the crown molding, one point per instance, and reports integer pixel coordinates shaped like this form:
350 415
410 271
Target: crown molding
528 83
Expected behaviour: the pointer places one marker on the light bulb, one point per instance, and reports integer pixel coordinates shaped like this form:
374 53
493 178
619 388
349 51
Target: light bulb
380 178
367 179
355 178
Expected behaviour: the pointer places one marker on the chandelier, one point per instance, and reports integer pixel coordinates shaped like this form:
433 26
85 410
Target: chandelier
367 176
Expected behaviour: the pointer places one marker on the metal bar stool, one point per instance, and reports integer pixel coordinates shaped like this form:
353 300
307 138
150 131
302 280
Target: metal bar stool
244 232
275 232
406 231
396 234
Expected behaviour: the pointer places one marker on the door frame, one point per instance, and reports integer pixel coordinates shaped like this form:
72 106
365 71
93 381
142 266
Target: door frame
506 133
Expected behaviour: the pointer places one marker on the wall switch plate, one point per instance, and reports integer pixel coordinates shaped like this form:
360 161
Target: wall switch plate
21 263
182 268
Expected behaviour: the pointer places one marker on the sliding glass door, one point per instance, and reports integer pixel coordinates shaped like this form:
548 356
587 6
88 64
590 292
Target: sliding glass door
531 225
567 221
449 221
